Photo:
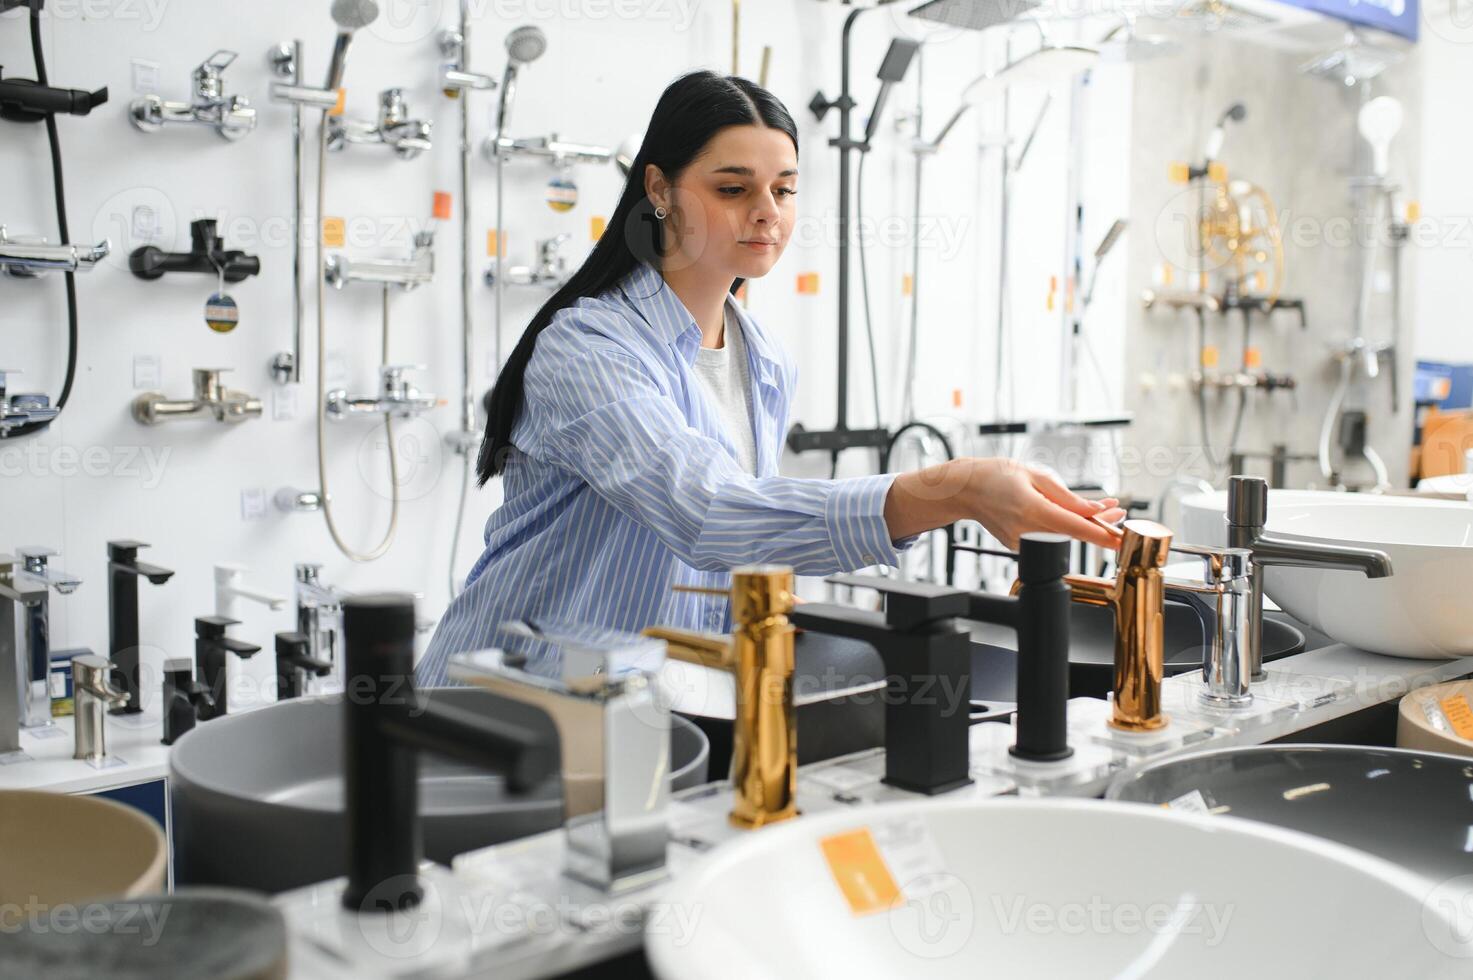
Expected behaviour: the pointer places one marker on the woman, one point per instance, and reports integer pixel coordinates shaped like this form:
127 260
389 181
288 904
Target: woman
639 421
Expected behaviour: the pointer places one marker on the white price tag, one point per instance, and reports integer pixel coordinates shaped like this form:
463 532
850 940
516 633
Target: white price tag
1193 802
147 371
253 504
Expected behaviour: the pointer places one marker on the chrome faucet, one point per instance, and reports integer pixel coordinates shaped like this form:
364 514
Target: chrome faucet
228 589
230 115
1221 600
559 152
1247 513
26 257
28 588
407 274
93 695
408 138
603 698
455 76
211 400
319 618
550 271
22 409
397 397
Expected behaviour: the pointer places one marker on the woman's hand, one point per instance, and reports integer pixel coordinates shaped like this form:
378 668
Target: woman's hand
1005 496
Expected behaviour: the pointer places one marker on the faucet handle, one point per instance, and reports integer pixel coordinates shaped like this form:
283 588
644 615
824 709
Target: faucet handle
911 604
700 590
219 61
1218 564
1247 501
36 553
593 659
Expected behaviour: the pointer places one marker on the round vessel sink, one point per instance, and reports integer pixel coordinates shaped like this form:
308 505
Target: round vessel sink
1202 514
58 849
1412 808
1045 888
258 797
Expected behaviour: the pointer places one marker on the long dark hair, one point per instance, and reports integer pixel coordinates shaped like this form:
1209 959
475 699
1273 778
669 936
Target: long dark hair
692 110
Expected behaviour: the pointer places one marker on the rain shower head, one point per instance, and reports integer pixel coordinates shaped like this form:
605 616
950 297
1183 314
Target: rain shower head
349 15
973 15
1355 60
526 44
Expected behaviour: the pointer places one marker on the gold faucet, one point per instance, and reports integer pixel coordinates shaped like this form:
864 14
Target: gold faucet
1137 596
759 652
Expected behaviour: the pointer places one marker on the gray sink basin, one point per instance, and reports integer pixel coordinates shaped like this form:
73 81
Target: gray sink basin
258 797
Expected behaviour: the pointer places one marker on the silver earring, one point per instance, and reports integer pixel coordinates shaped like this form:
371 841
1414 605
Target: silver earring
660 213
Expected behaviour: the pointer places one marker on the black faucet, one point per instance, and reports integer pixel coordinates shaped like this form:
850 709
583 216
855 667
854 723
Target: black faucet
184 699
207 254
293 662
928 665
211 646
1039 613
386 723
123 572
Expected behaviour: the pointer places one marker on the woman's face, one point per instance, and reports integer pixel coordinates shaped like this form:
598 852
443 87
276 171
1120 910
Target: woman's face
732 209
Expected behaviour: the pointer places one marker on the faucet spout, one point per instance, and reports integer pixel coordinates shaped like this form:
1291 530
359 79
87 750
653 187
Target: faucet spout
1269 549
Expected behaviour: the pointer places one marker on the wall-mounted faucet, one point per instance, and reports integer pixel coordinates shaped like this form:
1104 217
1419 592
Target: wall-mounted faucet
211 647
319 617
292 500
93 696
211 400
1247 513
22 408
387 725
26 257
25 639
207 255
230 115
455 78
123 571
408 138
560 153
228 589
549 272
613 726
417 270
294 664
184 699
397 397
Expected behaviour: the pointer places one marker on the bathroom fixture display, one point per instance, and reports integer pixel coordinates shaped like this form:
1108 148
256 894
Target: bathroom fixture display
231 116
185 699
212 400
294 664
397 397
550 271
927 663
228 591
211 649
93 697
613 730
319 618
25 641
123 572
63 850
207 255
386 725
26 258
408 273
271 781
393 128
853 878
561 153
24 100
1409 807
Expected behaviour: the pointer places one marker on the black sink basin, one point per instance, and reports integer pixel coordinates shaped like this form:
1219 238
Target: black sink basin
1414 808
1092 651
258 797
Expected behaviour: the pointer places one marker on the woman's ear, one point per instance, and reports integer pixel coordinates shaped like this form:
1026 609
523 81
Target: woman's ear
656 187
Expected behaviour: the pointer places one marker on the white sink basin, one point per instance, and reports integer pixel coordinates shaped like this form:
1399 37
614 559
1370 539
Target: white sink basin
1056 888
1423 610
1201 520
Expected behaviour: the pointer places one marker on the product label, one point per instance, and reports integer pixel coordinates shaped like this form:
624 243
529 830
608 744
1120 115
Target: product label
877 867
1459 715
1193 802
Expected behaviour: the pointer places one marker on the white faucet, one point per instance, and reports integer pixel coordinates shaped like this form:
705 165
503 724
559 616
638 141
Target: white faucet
227 590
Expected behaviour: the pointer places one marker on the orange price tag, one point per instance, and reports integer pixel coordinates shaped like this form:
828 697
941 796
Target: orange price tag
491 243
1459 715
332 232
860 871
340 104
907 284
956 398
596 226
1209 356
1253 357
808 283
442 205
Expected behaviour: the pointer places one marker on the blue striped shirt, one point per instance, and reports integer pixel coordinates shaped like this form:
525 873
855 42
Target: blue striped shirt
623 482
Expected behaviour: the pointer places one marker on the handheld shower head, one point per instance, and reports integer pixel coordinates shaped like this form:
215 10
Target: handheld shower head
526 44
349 15
1379 121
1236 112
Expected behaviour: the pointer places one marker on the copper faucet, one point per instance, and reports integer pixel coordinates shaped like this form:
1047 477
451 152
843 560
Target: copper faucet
759 652
1137 596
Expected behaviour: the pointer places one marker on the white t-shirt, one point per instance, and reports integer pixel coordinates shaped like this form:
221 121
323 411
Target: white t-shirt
724 374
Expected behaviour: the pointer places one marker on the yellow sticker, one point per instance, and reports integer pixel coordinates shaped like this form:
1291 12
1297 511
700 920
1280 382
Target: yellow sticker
1209 356
907 284
340 104
860 871
1459 714
491 243
333 234
596 227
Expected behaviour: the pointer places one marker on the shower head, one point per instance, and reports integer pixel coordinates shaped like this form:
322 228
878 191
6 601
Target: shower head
526 44
1353 61
1236 112
349 15
973 15
1379 121
1044 66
